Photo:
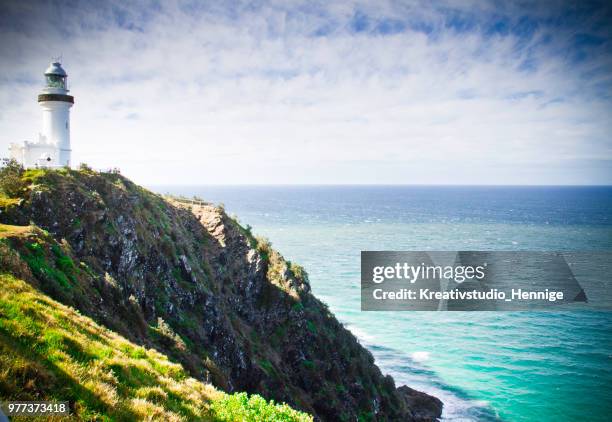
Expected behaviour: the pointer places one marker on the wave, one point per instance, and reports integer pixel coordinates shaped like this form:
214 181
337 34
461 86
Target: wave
409 369
420 356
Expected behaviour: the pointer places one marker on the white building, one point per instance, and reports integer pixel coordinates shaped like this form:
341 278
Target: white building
53 146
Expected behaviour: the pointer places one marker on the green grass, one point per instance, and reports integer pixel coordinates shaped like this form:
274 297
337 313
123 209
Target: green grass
64 263
41 267
34 175
49 351
267 366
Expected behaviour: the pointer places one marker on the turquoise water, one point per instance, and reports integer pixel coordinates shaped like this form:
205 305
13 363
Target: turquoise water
522 366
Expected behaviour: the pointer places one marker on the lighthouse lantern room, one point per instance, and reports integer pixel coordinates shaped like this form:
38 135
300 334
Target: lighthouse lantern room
52 149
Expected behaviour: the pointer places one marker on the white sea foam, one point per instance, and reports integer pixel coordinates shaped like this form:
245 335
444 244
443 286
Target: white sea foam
361 334
455 409
420 356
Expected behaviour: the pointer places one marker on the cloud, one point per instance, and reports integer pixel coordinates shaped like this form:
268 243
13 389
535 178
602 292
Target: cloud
328 92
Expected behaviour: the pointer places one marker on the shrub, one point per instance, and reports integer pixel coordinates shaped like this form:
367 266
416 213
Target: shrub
85 168
297 271
308 364
241 407
11 183
264 247
311 327
168 336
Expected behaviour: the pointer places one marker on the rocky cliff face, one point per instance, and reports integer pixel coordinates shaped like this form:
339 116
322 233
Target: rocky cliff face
188 280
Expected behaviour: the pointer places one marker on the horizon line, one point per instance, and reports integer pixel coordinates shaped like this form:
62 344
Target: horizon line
374 185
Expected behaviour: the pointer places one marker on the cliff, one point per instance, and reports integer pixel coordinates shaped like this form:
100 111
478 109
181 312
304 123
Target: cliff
190 282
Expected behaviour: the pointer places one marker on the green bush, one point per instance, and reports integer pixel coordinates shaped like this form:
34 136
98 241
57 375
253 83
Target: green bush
308 364
241 407
297 307
311 327
11 183
85 168
297 270
168 336
264 247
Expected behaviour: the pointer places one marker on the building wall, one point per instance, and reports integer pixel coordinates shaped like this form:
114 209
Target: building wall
36 154
56 127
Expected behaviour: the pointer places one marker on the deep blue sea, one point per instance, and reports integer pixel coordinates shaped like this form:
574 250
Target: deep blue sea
485 366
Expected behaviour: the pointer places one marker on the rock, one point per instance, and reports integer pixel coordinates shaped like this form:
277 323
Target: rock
425 408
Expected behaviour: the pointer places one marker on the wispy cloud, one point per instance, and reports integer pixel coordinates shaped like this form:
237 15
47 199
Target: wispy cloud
328 92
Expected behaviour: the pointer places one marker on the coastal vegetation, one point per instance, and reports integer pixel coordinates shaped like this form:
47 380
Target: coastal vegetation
49 351
175 308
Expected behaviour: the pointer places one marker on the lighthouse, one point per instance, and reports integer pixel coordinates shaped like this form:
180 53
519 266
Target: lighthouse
52 149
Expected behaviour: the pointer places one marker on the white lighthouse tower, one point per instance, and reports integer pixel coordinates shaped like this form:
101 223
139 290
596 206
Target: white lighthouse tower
53 146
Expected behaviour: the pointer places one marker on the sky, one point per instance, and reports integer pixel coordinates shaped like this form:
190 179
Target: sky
321 92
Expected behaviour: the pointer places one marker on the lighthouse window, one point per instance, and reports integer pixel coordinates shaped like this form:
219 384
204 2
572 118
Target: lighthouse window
55 81
66 124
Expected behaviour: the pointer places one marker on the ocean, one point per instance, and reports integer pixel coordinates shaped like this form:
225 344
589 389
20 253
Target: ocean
484 366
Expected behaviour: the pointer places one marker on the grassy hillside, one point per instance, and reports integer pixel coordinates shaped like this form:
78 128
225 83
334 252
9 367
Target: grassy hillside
185 279
49 351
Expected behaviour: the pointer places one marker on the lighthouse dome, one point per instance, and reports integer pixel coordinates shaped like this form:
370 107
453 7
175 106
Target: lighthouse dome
55 68
56 78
